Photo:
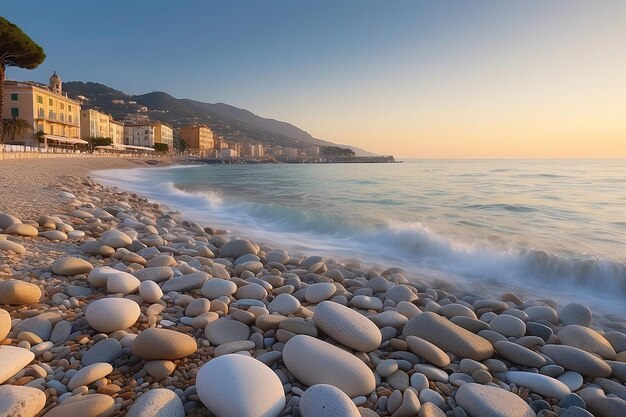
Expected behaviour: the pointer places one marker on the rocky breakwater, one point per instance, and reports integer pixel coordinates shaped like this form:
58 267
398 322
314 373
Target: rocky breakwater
116 306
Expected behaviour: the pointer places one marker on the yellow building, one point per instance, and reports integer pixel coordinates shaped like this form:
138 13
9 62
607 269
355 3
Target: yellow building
199 139
46 108
94 124
163 134
116 132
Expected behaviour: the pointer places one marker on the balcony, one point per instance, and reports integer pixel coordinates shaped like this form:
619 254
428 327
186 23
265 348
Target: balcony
54 119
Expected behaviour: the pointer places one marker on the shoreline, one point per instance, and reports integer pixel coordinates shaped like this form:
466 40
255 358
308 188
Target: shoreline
235 296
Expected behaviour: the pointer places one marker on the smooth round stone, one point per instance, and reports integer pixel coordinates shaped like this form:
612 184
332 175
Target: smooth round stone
15 292
430 410
69 265
542 313
122 282
398 380
110 314
21 229
601 405
187 282
448 336
430 396
159 369
509 326
586 339
150 292
116 239
572 379
284 304
216 287
89 374
20 401
578 360
428 351
617 340
251 291
197 307
519 354
99 276
12 360
7 245
418 381
106 350
347 326
234 347
366 303
482 400
576 411
5 324
240 386
323 400
432 372
319 292
236 248
327 364
575 313
158 402
156 343
455 310
90 405
156 274
39 325
226 330
541 384
386 367
572 400
7 220
54 235
540 330
399 293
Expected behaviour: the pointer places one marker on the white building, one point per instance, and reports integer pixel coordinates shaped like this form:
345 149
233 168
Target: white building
148 134
228 153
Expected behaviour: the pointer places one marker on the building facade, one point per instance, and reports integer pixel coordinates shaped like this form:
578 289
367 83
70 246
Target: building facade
94 124
46 108
199 139
116 132
146 135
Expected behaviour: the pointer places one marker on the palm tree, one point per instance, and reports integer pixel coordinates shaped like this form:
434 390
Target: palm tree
16 127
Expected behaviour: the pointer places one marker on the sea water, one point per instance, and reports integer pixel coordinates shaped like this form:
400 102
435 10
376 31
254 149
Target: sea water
547 229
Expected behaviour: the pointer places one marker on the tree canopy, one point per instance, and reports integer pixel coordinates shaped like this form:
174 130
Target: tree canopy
17 49
336 151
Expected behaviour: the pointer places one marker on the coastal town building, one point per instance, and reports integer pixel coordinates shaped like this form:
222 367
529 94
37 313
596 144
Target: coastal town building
220 143
116 132
94 124
146 135
255 150
290 152
228 153
47 109
198 138
313 151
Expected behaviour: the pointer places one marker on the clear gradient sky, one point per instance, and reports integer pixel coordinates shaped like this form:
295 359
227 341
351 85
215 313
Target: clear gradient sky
438 78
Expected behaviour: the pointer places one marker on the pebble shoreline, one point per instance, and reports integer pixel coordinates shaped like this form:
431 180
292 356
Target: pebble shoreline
112 305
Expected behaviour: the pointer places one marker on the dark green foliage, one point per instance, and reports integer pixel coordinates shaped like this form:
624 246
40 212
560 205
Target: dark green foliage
161 147
16 127
99 141
335 151
16 50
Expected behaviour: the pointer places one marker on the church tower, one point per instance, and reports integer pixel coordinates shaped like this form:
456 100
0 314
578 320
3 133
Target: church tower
56 85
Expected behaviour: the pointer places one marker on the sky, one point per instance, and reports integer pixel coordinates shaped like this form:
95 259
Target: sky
421 79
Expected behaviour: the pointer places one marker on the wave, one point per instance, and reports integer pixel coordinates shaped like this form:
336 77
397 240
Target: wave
515 208
412 246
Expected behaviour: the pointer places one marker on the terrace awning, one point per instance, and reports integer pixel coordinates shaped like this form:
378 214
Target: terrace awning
63 139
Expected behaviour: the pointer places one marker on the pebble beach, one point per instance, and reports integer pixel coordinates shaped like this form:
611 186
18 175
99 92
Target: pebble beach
114 305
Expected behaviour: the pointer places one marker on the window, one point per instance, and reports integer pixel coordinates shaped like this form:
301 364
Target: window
62 117
69 118
39 99
62 106
50 102
146 132
13 96
40 113
69 107
15 112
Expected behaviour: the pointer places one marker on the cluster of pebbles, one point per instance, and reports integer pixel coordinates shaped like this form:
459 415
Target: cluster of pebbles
116 306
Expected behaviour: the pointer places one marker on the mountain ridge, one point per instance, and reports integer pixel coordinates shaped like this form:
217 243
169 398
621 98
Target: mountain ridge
231 122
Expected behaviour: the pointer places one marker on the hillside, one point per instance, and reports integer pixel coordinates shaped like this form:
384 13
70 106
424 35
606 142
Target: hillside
231 122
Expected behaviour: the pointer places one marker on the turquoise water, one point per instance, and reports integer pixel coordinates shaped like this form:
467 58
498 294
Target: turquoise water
549 228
